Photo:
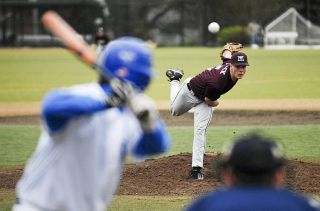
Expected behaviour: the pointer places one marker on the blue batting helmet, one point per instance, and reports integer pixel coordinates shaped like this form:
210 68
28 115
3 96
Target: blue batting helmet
129 59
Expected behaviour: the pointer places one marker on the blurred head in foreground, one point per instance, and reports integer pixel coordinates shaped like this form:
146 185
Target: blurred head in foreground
253 174
253 160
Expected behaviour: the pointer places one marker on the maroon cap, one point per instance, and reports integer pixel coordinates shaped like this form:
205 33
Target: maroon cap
239 59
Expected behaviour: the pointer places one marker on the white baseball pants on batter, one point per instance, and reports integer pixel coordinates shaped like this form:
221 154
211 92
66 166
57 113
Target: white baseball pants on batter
24 206
182 100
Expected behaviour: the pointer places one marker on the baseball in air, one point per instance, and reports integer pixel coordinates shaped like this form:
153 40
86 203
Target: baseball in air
213 27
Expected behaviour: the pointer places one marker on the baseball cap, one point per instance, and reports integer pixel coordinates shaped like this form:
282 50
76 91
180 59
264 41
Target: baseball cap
253 154
239 59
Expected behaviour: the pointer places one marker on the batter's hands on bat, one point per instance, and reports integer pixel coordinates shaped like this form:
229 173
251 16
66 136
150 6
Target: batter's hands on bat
121 92
113 100
145 110
122 89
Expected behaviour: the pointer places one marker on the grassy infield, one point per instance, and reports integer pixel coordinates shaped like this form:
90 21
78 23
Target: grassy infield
27 74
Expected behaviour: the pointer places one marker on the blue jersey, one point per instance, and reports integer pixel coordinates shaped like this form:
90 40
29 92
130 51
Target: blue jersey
252 199
78 161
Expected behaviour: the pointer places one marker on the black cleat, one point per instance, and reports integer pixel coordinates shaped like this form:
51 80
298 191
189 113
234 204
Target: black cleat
196 173
174 74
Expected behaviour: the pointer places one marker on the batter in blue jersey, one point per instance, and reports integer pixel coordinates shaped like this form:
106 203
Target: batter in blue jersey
88 129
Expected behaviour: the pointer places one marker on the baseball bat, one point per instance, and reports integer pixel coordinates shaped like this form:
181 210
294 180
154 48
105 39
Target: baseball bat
71 39
74 42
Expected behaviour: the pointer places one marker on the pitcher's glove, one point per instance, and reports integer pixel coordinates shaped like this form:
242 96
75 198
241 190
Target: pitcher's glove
232 47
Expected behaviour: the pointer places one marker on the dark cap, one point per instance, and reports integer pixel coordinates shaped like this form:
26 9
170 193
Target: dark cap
239 59
253 154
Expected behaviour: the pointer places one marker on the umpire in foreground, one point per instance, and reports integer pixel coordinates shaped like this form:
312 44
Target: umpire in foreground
253 171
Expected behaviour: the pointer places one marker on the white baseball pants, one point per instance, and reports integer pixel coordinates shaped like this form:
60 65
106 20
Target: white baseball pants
182 100
26 207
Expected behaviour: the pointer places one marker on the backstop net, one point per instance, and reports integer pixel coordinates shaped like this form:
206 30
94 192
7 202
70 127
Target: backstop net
291 30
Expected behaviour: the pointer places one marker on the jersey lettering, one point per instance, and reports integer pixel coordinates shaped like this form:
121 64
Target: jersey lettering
224 70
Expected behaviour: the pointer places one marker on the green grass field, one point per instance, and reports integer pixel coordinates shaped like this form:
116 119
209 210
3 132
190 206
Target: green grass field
27 74
300 142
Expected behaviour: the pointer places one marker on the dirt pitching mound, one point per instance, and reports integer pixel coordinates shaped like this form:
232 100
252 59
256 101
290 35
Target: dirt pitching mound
169 176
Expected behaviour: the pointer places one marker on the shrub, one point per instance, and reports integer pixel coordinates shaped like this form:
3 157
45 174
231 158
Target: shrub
233 34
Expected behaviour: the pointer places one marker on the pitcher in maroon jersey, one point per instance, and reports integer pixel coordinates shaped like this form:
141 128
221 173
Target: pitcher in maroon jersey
202 93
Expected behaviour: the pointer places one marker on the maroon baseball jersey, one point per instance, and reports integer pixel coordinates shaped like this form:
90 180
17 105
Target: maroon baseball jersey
213 82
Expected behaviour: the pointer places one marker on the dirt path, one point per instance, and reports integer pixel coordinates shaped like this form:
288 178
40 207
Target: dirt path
229 112
33 108
221 118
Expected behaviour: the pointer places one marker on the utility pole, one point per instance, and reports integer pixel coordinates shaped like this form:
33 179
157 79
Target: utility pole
309 22
35 18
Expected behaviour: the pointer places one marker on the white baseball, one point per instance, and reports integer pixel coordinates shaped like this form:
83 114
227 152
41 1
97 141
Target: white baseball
213 27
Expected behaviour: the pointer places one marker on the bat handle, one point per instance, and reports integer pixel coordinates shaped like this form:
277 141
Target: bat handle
87 55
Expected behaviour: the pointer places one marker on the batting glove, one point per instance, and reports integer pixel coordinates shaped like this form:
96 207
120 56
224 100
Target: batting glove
113 101
121 92
145 110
